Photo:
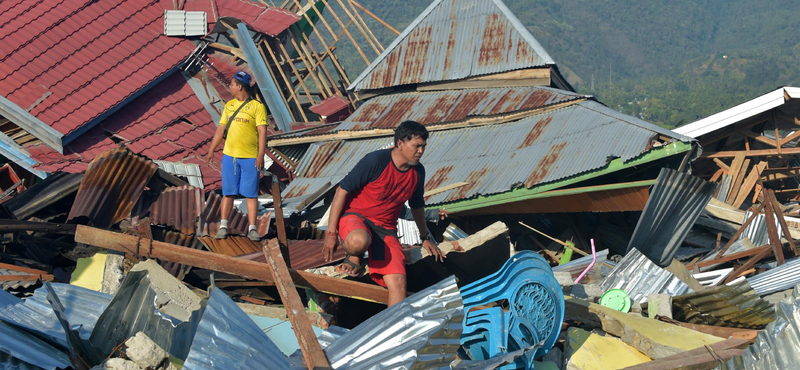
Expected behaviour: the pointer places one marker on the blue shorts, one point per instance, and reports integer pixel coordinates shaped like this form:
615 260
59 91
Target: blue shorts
239 176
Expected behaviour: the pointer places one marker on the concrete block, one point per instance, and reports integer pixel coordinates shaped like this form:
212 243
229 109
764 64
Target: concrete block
589 351
144 352
659 304
117 364
564 278
173 298
590 292
113 274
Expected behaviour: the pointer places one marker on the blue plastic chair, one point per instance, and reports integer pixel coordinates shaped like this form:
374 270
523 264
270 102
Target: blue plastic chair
533 314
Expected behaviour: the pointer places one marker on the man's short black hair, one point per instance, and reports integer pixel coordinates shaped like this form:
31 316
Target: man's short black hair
407 130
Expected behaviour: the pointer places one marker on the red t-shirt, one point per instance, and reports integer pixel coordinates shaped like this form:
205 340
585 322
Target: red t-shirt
378 189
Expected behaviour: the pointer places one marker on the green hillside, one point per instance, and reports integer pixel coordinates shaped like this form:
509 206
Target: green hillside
669 62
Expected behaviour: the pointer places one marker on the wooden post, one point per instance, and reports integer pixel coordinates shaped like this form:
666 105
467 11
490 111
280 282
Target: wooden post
747 265
782 221
772 230
740 231
353 40
277 204
309 346
375 17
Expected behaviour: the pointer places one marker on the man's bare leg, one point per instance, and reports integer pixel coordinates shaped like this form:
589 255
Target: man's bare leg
252 210
396 283
225 208
355 244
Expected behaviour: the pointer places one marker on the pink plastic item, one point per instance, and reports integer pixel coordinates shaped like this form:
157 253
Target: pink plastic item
594 259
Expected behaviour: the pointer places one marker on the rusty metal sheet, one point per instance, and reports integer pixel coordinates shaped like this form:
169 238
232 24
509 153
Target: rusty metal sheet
237 221
113 183
189 241
494 159
303 255
735 306
453 40
233 245
441 107
178 208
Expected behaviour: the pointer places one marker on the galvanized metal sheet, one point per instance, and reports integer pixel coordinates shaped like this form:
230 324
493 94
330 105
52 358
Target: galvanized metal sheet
82 307
185 23
228 339
452 40
731 306
640 277
189 171
675 203
26 347
778 347
779 278
494 159
423 331
440 107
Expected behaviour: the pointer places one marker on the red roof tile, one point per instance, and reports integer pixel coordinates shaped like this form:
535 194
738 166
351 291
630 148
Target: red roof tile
330 105
262 18
74 60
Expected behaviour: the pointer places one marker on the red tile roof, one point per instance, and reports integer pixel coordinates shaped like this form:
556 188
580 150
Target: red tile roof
262 18
329 106
71 61
168 122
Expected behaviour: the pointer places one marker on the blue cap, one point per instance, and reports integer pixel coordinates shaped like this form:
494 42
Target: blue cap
243 77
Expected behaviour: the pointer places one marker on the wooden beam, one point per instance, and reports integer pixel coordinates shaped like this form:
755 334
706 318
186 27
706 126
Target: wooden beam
526 77
445 188
309 346
782 221
788 174
344 28
716 176
730 257
751 153
375 17
739 163
231 265
790 137
740 231
772 229
761 138
722 165
747 265
277 204
749 183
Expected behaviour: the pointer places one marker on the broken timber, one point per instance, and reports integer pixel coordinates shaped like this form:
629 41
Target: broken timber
230 265
312 351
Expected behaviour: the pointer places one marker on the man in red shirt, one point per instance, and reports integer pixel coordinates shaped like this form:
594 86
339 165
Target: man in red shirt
367 204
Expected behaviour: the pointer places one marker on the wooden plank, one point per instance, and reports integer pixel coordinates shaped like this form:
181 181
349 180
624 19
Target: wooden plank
309 346
749 183
772 230
344 28
375 17
231 265
760 138
790 137
277 204
737 181
751 153
445 188
747 265
730 257
735 168
722 165
782 221
788 174
480 84
26 277
717 175
22 269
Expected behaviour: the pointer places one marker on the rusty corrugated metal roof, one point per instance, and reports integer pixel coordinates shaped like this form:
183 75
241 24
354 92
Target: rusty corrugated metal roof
303 254
179 208
233 245
455 39
237 221
189 241
111 186
733 306
441 107
494 159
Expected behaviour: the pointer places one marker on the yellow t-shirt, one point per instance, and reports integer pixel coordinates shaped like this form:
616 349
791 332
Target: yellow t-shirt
242 141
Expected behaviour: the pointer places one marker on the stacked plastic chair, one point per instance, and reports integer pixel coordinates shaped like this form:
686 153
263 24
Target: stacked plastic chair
521 306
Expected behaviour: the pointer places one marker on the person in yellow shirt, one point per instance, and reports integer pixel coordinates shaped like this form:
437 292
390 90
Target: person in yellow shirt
243 153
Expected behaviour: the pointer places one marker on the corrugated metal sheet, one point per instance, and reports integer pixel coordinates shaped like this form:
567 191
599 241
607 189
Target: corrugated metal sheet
179 208
421 332
137 307
233 245
495 158
26 347
757 230
43 194
237 221
577 266
111 186
779 278
639 277
69 62
82 307
675 203
440 107
8 362
228 339
776 347
183 23
303 255
732 306
452 40
189 171
14 284
408 233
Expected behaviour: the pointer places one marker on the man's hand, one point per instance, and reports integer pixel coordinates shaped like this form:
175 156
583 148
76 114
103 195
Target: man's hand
331 242
209 158
443 214
260 162
433 250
